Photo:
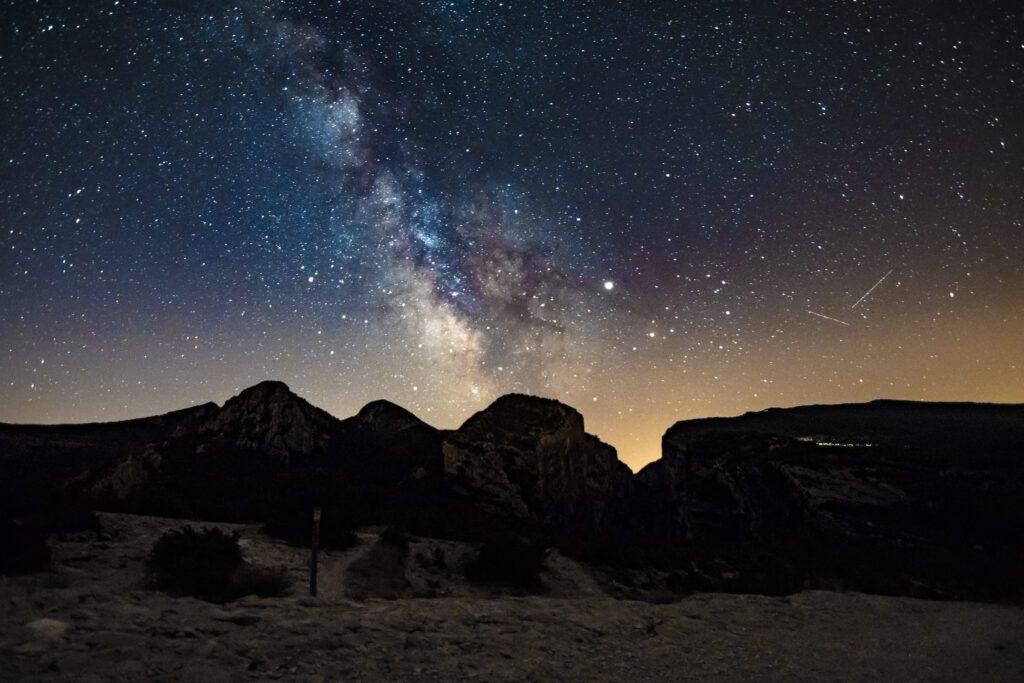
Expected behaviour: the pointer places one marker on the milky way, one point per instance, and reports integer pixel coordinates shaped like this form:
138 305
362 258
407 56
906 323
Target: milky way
649 210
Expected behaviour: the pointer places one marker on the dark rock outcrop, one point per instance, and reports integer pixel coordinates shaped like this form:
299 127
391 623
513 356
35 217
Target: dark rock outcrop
888 496
269 419
123 477
64 450
36 461
530 457
264 426
268 452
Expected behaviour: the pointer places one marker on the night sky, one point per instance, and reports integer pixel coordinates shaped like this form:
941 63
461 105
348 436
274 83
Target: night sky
648 210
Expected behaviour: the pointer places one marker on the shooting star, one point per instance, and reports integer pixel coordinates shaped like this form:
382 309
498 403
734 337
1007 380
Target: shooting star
826 317
871 290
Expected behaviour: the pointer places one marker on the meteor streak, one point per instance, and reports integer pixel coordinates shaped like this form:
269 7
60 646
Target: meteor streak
826 317
871 290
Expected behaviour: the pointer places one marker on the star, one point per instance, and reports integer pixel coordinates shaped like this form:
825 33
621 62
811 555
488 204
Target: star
477 202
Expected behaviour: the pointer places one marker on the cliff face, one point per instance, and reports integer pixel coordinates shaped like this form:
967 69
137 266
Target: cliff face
840 470
530 457
737 486
267 421
124 477
902 497
268 418
268 450
925 495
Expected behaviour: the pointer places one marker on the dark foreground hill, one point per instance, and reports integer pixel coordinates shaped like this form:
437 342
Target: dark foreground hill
37 461
888 496
269 455
61 450
891 497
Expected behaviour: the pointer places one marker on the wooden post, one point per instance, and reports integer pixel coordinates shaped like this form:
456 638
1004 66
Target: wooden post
315 549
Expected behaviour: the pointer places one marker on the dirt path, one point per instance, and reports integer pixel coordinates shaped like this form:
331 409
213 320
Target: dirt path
101 625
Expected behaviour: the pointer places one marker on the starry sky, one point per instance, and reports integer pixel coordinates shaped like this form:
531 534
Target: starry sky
648 210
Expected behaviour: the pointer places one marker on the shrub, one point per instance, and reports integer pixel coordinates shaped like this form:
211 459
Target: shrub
199 563
208 564
70 513
265 582
28 515
23 548
434 559
508 560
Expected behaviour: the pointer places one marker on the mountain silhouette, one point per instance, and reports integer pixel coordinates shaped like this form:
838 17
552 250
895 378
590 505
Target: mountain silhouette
888 496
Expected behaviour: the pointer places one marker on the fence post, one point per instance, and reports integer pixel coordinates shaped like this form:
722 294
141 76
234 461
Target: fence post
315 550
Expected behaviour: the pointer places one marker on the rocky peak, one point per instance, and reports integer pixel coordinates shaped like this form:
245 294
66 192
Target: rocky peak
531 457
265 392
385 416
268 417
535 412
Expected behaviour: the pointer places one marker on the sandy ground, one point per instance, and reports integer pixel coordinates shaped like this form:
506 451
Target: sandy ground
92 620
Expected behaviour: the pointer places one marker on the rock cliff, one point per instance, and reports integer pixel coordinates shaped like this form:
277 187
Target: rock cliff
926 495
888 496
530 457
268 418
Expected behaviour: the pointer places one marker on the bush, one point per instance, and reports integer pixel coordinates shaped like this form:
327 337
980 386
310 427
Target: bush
28 516
68 513
23 548
262 581
199 563
435 559
208 564
508 561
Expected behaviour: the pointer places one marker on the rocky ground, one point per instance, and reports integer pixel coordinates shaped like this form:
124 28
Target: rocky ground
92 619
